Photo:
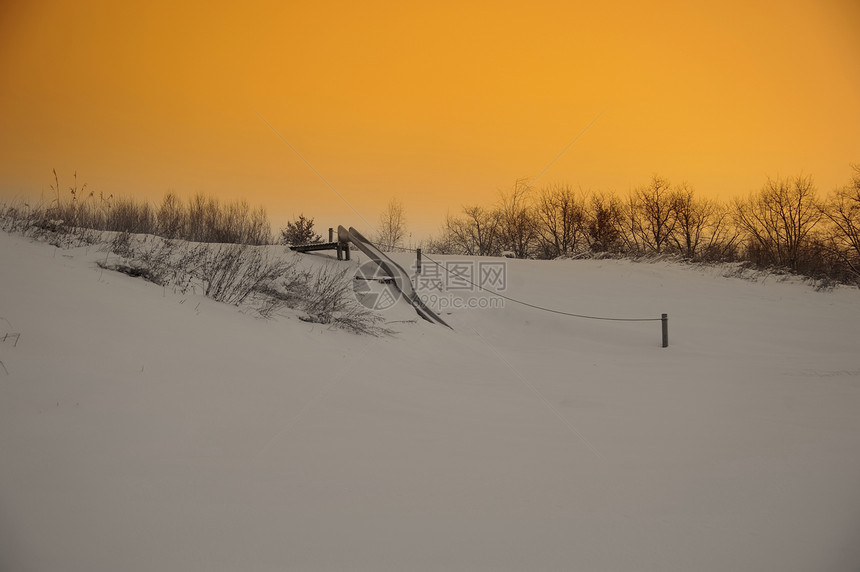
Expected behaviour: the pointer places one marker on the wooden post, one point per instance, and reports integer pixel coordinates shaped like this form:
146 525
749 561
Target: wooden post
418 252
340 252
330 234
664 319
346 249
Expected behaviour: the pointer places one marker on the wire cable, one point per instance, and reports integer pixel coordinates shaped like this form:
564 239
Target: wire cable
529 304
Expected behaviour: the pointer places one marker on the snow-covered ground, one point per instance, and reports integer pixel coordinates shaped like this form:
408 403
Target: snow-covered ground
146 430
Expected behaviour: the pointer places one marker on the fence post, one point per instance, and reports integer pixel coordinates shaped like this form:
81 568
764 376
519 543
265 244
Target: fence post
664 319
418 252
330 234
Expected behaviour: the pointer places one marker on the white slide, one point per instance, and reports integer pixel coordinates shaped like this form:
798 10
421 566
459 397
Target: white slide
400 276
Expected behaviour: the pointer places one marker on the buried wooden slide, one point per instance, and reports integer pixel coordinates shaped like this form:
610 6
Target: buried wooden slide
397 273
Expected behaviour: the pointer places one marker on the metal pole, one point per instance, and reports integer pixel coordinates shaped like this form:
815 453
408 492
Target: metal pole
418 252
665 322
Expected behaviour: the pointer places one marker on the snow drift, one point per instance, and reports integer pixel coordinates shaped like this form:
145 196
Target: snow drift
142 429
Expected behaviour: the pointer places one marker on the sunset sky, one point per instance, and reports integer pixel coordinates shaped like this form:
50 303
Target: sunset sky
440 104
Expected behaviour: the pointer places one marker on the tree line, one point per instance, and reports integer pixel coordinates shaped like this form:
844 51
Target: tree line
200 218
786 224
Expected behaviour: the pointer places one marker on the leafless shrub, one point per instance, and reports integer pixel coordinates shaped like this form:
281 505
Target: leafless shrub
129 216
206 219
326 297
121 245
15 216
332 301
246 275
232 273
157 260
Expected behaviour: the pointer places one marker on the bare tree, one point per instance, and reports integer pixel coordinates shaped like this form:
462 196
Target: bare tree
196 218
259 231
475 233
171 217
603 230
392 225
651 214
444 243
702 230
778 221
516 222
842 211
630 225
560 220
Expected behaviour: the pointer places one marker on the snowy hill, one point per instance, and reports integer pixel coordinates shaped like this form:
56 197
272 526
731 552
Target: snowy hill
142 429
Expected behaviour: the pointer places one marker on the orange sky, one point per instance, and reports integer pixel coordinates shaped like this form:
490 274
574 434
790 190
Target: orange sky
438 103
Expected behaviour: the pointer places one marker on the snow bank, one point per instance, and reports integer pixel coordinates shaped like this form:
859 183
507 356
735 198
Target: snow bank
146 430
